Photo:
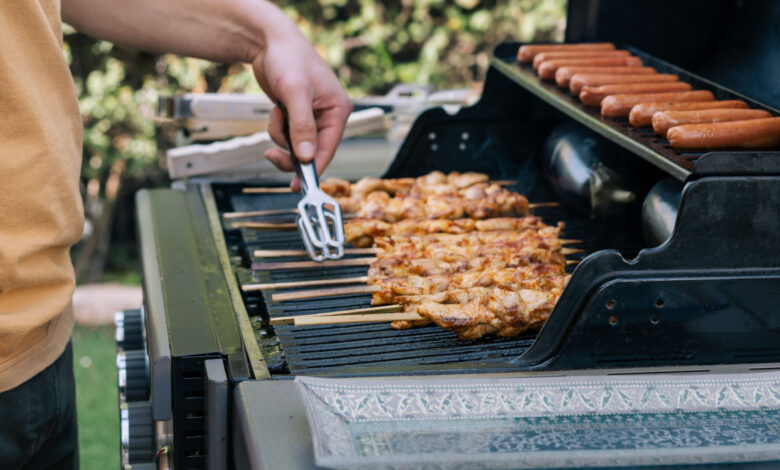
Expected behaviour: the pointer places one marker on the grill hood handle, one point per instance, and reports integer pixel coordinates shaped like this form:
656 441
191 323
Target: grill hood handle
572 164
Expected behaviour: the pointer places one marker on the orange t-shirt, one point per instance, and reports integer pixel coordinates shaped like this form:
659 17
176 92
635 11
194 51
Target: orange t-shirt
41 214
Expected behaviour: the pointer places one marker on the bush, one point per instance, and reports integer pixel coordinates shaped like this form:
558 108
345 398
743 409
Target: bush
371 46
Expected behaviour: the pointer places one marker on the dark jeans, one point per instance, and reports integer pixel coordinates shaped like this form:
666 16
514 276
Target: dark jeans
38 420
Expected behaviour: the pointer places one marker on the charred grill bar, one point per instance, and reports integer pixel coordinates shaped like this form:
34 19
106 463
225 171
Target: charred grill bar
214 368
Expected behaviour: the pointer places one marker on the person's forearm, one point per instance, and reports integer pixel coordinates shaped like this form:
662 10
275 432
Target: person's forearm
219 30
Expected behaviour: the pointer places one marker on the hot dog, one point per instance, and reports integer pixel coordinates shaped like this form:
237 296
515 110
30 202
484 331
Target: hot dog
579 80
642 114
564 74
548 68
590 54
526 53
592 96
665 120
755 133
620 105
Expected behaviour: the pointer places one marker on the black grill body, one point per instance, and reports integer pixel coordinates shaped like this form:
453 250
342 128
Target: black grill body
719 267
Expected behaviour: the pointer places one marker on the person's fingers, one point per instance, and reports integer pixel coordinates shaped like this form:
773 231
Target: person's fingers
303 129
275 127
327 141
280 159
331 124
295 185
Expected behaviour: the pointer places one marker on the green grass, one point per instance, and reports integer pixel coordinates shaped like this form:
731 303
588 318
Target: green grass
94 365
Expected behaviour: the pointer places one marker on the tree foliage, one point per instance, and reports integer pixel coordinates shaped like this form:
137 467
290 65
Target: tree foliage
371 46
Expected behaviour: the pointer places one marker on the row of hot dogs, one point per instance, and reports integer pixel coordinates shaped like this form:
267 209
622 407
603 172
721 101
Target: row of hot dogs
619 83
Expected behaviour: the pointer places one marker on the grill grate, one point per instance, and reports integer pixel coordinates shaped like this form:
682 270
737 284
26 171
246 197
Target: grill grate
357 348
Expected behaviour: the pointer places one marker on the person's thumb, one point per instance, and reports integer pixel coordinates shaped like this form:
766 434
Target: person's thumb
303 128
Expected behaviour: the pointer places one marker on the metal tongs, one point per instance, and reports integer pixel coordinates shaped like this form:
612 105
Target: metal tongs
319 219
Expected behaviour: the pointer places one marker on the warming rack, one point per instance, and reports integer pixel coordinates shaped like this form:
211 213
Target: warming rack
641 141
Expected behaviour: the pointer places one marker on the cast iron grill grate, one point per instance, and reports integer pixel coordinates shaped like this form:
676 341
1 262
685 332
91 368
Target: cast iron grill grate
358 348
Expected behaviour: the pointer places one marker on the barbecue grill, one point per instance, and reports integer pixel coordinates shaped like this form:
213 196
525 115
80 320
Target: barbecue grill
204 384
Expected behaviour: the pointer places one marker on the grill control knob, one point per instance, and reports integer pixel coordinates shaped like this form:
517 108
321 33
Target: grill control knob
132 375
129 330
136 432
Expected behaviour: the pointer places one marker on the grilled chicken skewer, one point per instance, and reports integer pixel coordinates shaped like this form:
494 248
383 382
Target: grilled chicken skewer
484 260
385 290
338 187
495 309
480 201
361 232
457 243
473 313
542 276
447 253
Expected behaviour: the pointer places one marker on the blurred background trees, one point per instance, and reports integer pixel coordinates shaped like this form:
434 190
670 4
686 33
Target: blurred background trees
371 46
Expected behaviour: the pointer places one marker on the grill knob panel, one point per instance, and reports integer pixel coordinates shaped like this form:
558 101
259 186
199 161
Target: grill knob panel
129 329
132 375
136 432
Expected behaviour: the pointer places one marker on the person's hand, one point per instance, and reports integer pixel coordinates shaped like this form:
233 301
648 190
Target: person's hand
290 71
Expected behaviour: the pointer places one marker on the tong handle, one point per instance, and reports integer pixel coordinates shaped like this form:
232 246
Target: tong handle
307 173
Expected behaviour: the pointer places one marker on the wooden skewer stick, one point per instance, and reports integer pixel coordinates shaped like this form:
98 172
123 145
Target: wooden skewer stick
266 225
273 190
313 264
537 205
307 320
315 283
239 215
345 262
283 253
314 293
570 262
368 310
263 213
